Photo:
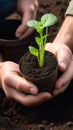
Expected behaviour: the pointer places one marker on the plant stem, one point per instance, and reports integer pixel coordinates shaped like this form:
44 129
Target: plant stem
46 35
42 49
41 52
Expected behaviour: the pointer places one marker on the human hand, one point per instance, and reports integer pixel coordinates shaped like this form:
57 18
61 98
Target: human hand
64 80
65 61
28 11
18 88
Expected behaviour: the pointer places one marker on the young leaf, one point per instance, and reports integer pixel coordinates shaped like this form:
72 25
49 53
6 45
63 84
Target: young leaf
38 40
48 20
40 24
33 51
32 23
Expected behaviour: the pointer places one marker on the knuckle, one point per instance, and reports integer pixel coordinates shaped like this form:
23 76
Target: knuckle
18 86
31 8
6 78
36 3
21 88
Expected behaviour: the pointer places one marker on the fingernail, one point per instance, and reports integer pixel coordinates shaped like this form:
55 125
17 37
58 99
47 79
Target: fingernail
33 91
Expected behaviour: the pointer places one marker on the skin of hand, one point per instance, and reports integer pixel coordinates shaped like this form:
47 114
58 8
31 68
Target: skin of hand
63 82
28 10
26 93
63 44
18 88
65 62
65 34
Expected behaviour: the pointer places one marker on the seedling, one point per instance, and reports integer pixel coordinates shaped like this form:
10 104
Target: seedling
46 21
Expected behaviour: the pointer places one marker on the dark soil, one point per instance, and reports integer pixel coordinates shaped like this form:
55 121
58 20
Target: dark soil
29 65
41 76
56 114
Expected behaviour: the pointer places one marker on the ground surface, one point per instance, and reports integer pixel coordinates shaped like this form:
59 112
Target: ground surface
52 115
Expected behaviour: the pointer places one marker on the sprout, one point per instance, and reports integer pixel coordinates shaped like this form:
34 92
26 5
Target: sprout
46 21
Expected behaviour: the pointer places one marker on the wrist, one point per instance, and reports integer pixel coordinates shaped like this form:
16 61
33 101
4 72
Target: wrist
65 35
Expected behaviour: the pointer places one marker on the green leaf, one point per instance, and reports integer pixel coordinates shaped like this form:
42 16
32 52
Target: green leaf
39 27
35 24
40 24
48 20
33 51
32 23
38 40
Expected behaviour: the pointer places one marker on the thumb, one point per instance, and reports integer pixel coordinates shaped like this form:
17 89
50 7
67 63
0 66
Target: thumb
21 29
23 26
64 56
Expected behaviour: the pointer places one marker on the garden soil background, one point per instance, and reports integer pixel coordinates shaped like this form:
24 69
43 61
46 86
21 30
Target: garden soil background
56 114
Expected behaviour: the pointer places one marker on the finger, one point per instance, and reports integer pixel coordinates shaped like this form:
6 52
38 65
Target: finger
61 90
21 84
66 76
23 27
28 100
64 80
28 32
64 56
50 47
32 100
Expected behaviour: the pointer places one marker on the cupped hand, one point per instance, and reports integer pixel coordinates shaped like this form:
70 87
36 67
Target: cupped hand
18 88
64 80
65 63
28 11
